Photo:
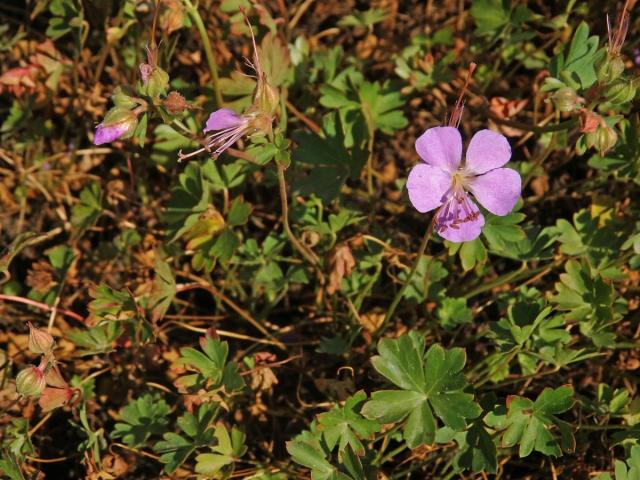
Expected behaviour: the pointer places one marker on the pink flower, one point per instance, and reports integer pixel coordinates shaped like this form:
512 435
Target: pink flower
229 127
444 181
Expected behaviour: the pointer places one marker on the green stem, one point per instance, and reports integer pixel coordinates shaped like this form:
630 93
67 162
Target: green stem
538 162
516 275
414 267
393 453
371 130
556 127
601 427
303 249
213 66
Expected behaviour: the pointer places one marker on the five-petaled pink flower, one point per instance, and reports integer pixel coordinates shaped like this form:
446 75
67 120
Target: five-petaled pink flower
444 181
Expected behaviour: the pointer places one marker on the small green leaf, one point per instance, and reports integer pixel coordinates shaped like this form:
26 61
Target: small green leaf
311 457
174 449
163 290
87 211
344 426
142 418
238 212
529 423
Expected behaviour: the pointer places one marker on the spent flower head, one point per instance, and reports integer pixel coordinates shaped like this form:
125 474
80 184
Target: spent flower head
444 181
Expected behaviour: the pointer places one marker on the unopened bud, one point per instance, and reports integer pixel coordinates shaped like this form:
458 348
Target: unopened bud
30 382
145 72
606 139
40 342
566 99
266 97
620 91
609 68
117 123
121 99
155 80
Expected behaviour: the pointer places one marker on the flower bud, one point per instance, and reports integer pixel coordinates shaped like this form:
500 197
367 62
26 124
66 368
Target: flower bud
40 342
30 382
609 68
145 72
121 99
155 80
565 99
620 91
606 139
117 123
266 97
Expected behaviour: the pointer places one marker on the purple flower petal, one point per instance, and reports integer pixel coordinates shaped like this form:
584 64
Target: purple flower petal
427 186
109 134
487 150
497 190
222 119
459 220
441 147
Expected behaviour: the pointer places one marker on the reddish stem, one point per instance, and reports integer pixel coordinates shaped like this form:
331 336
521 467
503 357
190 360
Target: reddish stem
40 305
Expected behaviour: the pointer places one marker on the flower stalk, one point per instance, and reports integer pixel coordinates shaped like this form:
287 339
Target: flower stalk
308 255
400 293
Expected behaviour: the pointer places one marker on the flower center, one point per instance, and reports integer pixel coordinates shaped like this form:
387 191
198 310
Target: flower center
458 208
459 180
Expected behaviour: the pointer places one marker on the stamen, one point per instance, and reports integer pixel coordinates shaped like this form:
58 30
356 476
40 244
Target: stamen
457 209
182 156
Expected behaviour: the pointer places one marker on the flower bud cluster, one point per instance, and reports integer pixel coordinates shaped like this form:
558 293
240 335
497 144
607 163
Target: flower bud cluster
121 122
